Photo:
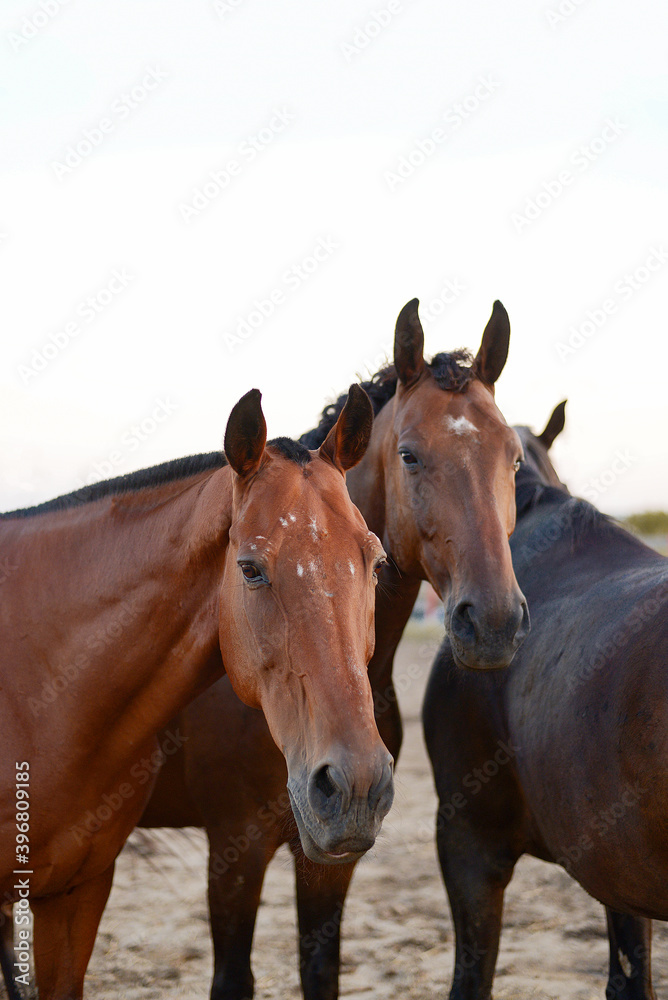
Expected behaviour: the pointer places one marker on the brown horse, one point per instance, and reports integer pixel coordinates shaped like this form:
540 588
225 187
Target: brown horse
437 485
565 754
116 603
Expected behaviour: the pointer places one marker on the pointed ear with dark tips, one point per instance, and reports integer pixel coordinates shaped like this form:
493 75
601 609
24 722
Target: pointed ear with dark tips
493 352
409 344
554 426
348 439
246 434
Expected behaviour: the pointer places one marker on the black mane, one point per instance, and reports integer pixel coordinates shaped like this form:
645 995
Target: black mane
453 372
156 475
576 518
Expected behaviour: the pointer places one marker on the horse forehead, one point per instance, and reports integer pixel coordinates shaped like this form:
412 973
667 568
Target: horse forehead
459 420
311 505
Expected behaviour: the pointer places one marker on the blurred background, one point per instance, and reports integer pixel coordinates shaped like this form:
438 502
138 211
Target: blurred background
200 198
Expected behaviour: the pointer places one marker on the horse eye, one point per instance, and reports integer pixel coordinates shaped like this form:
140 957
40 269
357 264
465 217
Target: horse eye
379 565
252 573
408 458
516 466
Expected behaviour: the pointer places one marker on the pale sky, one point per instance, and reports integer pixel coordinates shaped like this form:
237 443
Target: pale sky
172 171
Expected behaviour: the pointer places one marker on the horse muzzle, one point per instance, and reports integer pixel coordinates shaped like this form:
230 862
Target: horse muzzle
484 638
339 812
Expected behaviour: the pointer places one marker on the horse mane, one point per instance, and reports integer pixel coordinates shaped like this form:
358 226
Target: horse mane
577 519
452 371
155 475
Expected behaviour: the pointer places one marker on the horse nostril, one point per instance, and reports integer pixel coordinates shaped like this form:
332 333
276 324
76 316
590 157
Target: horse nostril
323 783
524 626
328 791
384 787
462 622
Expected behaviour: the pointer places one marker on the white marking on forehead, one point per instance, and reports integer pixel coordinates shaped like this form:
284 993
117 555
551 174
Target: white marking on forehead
262 537
351 567
313 525
460 425
292 517
300 569
283 522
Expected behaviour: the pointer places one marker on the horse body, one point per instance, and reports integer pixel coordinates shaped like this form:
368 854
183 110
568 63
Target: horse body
595 687
565 754
113 618
436 484
82 736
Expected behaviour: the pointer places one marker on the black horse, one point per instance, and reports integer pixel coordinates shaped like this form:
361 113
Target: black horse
564 755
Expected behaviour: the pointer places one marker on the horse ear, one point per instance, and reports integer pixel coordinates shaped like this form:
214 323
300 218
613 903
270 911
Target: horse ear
246 434
554 426
348 439
493 352
409 344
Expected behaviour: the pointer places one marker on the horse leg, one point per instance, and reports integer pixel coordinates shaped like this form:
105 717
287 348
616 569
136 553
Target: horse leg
234 898
475 884
321 894
630 976
65 926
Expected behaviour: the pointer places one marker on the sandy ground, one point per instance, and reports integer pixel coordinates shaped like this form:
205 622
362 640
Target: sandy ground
398 939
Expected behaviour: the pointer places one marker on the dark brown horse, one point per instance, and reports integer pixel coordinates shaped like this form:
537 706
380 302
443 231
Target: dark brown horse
565 754
113 617
437 485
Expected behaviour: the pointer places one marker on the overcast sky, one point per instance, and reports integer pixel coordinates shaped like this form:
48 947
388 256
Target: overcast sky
203 197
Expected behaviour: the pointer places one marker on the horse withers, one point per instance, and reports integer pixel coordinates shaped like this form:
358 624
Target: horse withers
113 618
572 739
437 486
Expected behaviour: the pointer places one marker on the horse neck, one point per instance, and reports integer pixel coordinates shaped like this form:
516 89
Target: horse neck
122 617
